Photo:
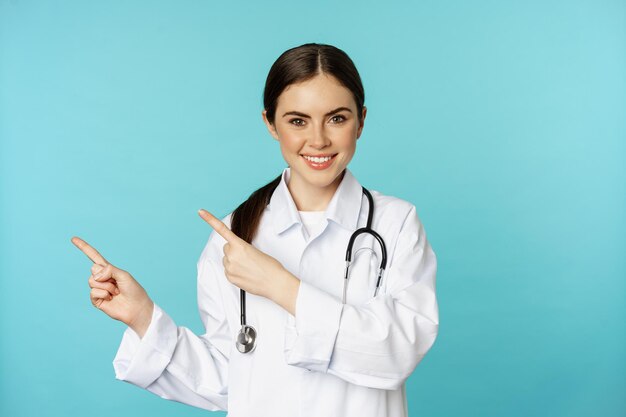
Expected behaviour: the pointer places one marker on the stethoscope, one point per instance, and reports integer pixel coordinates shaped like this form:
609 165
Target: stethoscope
246 339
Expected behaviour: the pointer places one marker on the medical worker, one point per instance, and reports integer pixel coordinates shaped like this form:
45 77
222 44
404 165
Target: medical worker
324 346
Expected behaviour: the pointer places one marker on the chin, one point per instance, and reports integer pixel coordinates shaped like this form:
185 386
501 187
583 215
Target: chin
324 179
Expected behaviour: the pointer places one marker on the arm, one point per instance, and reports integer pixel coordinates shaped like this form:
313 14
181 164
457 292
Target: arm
173 362
380 343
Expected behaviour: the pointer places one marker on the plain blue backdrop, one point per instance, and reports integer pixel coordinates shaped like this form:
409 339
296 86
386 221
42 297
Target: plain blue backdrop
502 121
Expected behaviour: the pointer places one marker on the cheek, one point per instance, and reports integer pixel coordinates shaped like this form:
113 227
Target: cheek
290 142
348 148
348 141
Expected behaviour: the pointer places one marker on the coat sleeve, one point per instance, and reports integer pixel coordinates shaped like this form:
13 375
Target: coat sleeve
380 343
173 362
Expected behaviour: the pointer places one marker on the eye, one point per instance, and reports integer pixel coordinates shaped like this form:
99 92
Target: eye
338 118
297 122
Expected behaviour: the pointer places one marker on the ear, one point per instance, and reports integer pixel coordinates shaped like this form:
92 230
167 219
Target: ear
358 133
270 127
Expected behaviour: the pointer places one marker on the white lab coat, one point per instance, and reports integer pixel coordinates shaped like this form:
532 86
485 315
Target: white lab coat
330 360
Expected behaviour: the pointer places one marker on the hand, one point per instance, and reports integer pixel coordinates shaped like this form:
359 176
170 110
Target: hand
253 270
116 292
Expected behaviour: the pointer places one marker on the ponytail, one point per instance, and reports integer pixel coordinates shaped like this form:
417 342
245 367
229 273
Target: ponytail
246 218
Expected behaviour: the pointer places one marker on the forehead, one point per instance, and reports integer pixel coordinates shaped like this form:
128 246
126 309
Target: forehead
320 93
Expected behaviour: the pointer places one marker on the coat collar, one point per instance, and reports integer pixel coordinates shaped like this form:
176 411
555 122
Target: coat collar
343 208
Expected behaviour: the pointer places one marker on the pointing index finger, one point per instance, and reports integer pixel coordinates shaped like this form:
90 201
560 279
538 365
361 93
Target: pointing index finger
88 250
218 226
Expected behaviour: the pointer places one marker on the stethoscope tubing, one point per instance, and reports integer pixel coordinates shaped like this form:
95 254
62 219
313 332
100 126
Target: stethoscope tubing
246 339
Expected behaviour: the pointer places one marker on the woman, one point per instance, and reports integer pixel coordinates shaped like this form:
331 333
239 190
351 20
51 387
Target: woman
321 348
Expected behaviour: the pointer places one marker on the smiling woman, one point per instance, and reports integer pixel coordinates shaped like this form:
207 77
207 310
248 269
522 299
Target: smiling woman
308 346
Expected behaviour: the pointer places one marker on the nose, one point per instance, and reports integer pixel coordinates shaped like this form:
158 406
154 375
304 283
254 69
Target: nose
319 138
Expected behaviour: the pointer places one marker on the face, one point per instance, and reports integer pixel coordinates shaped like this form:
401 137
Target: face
317 126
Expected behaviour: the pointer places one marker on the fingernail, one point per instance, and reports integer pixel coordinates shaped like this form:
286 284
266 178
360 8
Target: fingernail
117 291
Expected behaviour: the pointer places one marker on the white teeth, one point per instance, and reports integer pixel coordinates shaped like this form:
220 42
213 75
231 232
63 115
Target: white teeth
318 160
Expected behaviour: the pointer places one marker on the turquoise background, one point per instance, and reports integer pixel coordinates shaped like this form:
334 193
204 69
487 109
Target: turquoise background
502 121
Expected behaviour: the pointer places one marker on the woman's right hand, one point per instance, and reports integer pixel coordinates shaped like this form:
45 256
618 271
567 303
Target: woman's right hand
116 292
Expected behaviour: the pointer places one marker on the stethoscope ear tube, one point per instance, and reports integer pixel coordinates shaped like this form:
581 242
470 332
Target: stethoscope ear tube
383 262
367 229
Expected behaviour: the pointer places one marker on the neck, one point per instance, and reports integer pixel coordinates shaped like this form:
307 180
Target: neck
308 197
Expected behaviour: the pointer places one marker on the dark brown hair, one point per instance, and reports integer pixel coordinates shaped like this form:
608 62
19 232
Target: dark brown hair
294 66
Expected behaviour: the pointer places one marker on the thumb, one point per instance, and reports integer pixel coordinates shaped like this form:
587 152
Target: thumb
95 268
109 271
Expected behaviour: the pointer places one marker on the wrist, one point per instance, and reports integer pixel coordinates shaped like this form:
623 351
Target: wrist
142 321
285 292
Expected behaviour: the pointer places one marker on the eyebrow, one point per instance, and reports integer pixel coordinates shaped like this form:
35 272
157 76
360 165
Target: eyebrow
297 113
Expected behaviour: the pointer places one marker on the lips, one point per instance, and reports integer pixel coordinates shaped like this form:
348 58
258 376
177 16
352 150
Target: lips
322 165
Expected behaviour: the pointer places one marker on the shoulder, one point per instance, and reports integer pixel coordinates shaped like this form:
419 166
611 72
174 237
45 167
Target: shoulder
392 208
397 218
401 227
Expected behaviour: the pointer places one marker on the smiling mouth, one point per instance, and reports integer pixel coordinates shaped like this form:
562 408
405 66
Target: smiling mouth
319 162
319 158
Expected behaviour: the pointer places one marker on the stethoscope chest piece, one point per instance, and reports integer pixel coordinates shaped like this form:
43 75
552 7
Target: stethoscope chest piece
246 339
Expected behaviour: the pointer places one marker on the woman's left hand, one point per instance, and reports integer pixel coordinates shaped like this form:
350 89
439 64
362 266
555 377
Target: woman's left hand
247 267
